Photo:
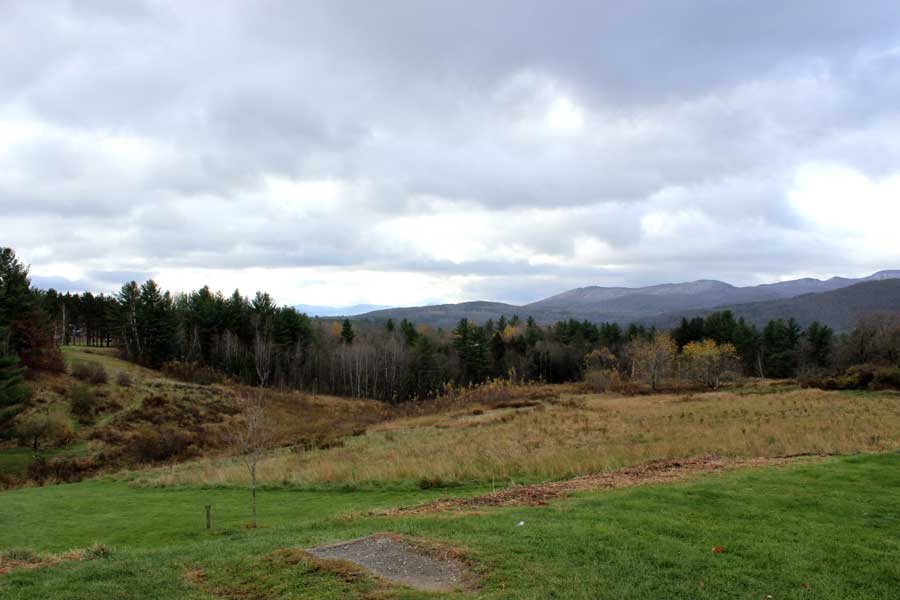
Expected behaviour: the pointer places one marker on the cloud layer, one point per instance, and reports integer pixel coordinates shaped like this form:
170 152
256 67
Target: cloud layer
407 152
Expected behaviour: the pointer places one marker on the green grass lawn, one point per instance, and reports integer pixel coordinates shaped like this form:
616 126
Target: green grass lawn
815 530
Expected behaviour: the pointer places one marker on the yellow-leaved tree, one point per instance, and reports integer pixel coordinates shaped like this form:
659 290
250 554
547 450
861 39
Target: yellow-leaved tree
709 362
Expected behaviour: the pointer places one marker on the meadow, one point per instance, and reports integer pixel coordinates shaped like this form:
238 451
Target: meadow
822 525
574 434
815 529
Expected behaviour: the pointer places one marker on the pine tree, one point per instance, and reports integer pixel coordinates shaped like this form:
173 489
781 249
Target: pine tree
347 334
14 394
471 346
16 297
157 324
532 332
128 298
409 332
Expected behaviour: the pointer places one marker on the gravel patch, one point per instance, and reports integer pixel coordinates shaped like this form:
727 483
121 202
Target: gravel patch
396 560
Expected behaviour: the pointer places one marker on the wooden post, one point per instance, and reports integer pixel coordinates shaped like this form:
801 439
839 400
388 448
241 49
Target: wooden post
209 516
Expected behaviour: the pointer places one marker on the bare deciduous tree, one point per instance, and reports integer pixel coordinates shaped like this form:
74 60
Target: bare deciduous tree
263 351
652 358
253 437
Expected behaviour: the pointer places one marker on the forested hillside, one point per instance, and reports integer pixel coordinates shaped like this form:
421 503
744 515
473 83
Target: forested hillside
663 305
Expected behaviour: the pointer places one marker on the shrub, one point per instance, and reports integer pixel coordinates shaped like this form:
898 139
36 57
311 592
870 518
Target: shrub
90 372
150 445
603 380
860 376
97 551
123 379
886 378
430 483
66 469
37 429
22 555
192 372
83 403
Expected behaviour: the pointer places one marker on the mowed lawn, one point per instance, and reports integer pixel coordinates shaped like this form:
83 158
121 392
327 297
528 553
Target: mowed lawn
818 529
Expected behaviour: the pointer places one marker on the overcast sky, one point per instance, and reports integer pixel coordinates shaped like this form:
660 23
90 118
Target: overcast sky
415 152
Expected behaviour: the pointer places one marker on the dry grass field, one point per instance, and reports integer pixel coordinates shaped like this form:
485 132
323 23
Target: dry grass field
575 434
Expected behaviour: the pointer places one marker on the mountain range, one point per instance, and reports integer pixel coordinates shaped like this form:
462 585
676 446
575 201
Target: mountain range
666 303
314 310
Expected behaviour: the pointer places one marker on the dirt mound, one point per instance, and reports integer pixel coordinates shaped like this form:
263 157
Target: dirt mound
540 494
391 557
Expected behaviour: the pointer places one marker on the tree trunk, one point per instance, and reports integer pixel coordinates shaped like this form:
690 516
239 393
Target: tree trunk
253 492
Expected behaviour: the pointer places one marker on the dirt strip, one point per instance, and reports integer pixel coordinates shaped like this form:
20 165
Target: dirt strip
663 471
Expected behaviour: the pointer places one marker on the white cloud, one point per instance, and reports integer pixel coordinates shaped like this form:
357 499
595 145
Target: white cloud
339 153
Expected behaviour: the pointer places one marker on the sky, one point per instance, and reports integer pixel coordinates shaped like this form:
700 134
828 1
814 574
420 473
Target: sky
416 152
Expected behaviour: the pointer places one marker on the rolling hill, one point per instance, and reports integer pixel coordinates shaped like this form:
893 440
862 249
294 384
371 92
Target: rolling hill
660 304
838 309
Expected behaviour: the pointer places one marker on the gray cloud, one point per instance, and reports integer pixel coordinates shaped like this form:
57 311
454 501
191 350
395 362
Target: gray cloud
588 143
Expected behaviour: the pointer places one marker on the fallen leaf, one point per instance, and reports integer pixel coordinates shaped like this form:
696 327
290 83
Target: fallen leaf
718 550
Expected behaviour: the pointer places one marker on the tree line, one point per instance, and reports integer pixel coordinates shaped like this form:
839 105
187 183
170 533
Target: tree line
255 341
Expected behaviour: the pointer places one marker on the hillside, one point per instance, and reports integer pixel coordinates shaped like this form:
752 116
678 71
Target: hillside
445 315
657 303
838 309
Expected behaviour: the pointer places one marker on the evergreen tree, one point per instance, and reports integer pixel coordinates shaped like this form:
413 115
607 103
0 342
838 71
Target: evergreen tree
128 298
748 342
498 351
156 316
611 337
817 346
426 377
409 332
781 342
470 343
720 327
16 297
532 332
389 326
689 331
14 394
347 334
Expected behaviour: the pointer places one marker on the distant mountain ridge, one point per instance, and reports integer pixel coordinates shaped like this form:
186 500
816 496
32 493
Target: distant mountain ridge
314 310
838 308
654 303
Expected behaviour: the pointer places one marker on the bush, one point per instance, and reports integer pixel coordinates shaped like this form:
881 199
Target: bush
152 445
97 551
38 429
886 378
858 377
83 403
192 372
22 555
123 379
66 469
603 380
90 372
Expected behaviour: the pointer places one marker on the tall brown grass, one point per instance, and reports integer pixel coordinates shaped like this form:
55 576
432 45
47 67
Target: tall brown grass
579 434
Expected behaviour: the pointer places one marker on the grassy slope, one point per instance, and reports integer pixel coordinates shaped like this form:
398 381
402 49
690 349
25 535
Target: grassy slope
578 434
829 525
301 418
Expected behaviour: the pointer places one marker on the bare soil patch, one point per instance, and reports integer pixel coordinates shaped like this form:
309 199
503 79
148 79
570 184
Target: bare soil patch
662 471
26 560
426 567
